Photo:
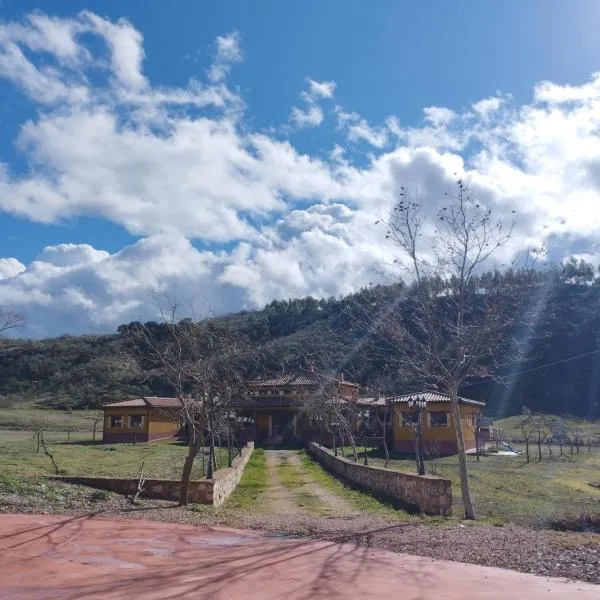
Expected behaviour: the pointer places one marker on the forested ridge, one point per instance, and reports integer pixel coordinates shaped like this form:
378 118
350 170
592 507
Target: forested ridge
557 370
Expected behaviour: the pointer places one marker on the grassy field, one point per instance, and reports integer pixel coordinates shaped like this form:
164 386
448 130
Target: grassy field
506 489
79 456
585 428
26 418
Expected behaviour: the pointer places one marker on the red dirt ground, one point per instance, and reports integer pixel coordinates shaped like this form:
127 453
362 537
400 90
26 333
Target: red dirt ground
51 557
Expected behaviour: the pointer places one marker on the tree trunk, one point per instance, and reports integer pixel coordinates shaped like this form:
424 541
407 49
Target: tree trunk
385 446
185 480
353 444
194 446
465 488
94 431
527 450
539 445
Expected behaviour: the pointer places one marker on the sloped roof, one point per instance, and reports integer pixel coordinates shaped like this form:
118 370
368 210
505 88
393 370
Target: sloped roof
292 379
427 396
152 401
287 379
433 397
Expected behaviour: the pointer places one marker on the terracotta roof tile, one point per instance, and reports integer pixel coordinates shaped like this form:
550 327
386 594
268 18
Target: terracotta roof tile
429 397
127 403
433 397
291 379
152 401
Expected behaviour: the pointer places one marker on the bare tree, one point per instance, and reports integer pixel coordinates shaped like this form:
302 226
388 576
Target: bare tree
96 418
38 426
49 454
10 319
528 427
201 361
446 330
542 432
337 414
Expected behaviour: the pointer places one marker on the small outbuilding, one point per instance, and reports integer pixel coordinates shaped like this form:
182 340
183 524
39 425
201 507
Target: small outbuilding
142 419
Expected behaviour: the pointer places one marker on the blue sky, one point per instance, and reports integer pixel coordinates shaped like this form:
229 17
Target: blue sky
118 176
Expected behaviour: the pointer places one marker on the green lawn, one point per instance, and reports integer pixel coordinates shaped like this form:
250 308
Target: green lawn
507 489
27 417
164 459
250 491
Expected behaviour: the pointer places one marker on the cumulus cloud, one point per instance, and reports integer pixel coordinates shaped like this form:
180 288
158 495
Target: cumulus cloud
183 169
9 267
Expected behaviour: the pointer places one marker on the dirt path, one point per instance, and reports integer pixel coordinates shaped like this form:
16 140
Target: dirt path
292 489
278 498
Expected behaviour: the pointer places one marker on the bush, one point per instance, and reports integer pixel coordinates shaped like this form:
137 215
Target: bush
99 496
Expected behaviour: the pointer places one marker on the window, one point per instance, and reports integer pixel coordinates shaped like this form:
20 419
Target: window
116 421
409 419
438 419
136 421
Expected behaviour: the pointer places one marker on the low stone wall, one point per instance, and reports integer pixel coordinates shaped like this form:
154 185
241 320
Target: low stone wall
426 493
203 491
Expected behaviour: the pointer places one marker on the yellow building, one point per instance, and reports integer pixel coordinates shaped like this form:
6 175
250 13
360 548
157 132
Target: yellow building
142 419
437 422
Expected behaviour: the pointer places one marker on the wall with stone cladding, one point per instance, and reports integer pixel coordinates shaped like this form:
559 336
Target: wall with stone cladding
426 493
226 480
202 491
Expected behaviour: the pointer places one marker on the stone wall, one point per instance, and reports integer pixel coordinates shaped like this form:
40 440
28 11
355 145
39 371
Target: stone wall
425 493
202 491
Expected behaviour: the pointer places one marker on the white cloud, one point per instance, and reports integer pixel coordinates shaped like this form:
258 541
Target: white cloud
152 160
228 52
486 107
439 115
321 89
358 128
9 267
311 117
126 48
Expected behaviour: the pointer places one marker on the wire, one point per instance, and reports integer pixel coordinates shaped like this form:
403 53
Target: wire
538 368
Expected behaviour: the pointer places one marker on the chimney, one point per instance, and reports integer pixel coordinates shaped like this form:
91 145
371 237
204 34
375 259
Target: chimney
311 367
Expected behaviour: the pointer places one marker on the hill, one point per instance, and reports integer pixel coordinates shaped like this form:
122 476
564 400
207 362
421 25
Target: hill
558 371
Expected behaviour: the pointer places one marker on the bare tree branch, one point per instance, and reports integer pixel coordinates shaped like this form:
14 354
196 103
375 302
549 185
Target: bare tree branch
10 320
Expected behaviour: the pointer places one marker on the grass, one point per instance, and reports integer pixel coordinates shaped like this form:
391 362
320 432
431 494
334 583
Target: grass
512 427
80 456
294 478
360 500
24 418
251 489
506 489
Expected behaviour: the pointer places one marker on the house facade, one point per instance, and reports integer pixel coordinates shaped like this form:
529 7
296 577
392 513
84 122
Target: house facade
142 419
276 408
437 423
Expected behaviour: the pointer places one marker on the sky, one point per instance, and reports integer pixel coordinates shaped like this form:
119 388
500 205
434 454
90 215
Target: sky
225 154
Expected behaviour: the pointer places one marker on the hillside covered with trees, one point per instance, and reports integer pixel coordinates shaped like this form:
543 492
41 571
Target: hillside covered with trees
556 368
